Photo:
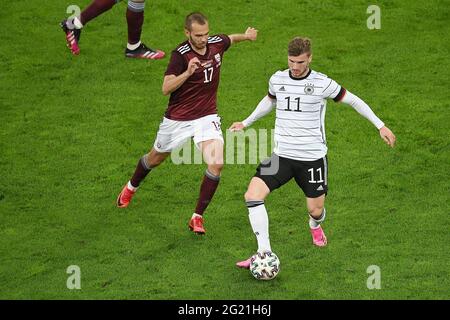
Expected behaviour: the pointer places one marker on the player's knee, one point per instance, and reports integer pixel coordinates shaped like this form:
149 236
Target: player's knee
215 169
151 161
316 211
154 159
253 195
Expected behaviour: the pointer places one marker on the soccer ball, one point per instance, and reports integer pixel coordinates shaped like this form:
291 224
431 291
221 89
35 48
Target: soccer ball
265 265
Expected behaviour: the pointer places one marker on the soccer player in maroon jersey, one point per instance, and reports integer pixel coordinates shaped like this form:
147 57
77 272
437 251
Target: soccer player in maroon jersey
135 19
191 79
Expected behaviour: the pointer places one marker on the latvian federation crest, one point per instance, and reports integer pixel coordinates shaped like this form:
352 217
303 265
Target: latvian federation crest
217 57
309 88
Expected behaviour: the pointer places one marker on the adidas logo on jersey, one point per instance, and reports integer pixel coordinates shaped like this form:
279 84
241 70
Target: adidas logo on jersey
320 188
282 89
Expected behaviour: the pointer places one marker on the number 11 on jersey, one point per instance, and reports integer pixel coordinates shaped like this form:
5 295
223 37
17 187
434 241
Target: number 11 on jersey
288 108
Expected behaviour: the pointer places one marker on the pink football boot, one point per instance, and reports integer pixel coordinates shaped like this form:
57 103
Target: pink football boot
318 236
244 264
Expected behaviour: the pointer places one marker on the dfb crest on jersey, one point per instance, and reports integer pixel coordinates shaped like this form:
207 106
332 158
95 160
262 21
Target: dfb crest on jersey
309 88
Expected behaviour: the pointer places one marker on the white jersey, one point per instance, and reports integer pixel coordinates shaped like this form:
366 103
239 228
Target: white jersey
300 115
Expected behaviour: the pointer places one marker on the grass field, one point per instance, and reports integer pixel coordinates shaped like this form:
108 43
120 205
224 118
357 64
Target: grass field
73 128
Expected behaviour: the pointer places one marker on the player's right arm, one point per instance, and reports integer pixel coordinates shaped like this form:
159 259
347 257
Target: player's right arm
172 82
264 107
250 34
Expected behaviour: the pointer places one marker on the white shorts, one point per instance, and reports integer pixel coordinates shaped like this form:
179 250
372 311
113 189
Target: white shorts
173 134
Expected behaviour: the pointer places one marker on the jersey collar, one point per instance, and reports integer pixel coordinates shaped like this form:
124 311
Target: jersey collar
302 78
198 54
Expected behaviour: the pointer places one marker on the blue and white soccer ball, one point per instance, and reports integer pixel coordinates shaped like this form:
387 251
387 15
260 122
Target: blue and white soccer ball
265 265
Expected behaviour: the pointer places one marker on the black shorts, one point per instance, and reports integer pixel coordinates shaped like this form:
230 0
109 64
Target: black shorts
311 176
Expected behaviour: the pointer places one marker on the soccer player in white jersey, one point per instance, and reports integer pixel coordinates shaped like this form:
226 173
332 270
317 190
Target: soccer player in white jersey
300 97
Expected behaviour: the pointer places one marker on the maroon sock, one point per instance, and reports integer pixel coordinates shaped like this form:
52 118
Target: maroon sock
135 19
142 170
97 7
207 190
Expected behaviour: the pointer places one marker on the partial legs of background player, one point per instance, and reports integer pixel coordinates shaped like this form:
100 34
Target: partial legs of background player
254 197
212 151
135 19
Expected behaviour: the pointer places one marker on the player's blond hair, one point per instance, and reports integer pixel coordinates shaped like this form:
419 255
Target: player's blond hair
298 46
194 17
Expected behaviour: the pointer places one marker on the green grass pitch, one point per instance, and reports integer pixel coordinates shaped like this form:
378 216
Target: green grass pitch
73 128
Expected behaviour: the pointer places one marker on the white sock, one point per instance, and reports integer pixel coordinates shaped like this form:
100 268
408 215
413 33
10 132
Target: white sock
196 215
133 46
77 23
130 186
260 225
315 223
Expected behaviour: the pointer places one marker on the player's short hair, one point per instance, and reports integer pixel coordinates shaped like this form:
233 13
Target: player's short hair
298 46
195 17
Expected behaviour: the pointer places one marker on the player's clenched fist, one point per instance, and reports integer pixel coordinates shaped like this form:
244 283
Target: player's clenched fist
193 65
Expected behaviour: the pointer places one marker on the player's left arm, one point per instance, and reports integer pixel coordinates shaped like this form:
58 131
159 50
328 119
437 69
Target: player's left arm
250 34
363 109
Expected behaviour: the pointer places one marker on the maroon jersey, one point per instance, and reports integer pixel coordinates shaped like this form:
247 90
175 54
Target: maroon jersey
197 96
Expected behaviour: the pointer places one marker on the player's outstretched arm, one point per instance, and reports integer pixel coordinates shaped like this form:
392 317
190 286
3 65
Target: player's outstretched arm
264 107
363 109
172 82
250 34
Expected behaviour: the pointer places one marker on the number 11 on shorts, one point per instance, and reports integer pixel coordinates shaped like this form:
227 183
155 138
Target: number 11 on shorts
312 180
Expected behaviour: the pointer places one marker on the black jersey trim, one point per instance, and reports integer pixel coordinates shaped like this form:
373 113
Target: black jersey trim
340 95
302 78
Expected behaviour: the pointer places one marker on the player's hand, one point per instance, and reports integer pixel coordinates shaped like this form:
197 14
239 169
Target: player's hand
236 126
251 34
193 65
387 136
